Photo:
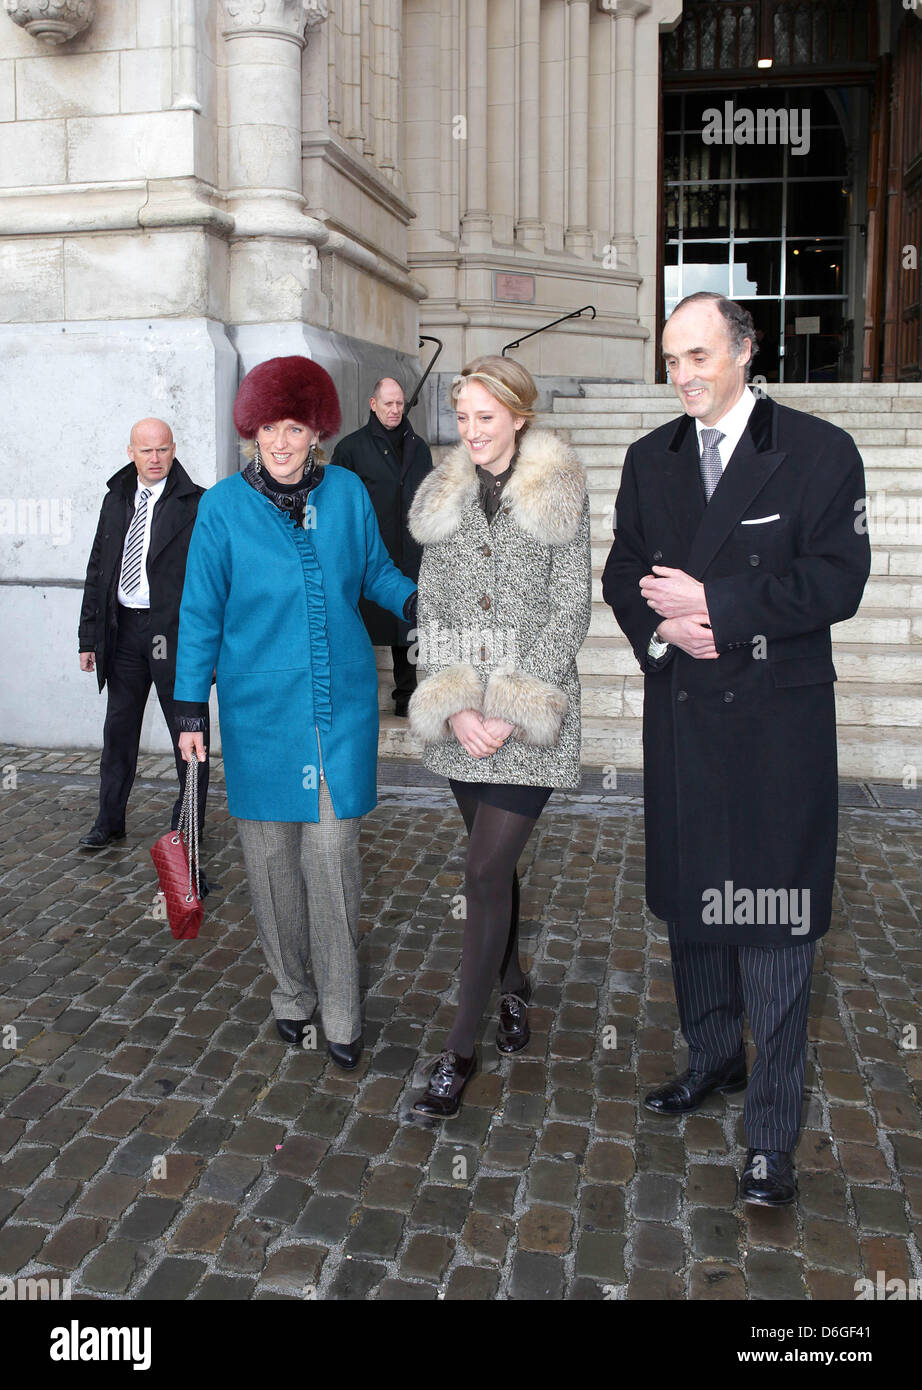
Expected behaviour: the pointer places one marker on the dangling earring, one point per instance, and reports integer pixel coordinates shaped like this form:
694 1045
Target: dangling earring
257 458
311 456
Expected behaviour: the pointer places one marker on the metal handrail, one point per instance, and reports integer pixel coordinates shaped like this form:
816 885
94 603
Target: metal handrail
590 308
422 381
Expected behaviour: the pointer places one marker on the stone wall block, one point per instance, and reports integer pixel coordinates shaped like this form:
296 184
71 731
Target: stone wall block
31 284
133 275
158 145
145 80
32 153
62 86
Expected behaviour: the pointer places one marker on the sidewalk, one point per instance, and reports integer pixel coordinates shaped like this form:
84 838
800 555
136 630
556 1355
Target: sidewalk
161 1142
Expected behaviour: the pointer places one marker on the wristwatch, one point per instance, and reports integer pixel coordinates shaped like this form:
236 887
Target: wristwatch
656 647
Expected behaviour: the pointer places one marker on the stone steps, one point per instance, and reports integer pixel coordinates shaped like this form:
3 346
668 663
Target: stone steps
864 753
812 392
902 479
877 653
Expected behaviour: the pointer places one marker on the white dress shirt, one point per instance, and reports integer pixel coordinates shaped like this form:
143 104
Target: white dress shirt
141 596
731 426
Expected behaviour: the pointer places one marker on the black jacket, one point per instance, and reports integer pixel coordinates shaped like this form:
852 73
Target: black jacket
740 784
171 531
391 481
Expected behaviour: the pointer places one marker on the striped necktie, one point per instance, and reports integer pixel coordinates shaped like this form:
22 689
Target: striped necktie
134 545
710 464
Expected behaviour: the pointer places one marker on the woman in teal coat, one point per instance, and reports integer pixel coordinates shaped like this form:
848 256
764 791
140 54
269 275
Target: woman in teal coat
279 557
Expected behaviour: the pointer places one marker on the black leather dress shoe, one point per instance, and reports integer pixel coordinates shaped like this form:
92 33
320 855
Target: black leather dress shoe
402 707
98 839
346 1055
513 1032
448 1078
292 1030
692 1088
768 1178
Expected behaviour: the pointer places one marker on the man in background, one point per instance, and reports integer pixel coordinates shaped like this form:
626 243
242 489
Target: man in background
129 622
391 460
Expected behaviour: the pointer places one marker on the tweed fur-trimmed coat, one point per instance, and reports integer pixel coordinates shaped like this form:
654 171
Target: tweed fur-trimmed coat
503 611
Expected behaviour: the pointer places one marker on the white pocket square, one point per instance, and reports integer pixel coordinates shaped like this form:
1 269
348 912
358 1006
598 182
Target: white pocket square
760 520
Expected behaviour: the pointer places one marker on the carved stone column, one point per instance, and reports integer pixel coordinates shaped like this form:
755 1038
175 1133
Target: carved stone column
475 224
264 42
578 238
625 14
52 21
529 229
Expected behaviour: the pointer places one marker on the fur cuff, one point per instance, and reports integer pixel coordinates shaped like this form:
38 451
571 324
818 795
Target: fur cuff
441 695
536 707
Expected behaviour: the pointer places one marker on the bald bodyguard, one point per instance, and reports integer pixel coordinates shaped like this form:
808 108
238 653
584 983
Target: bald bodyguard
129 621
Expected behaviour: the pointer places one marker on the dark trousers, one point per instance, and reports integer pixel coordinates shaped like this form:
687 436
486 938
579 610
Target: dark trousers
715 986
404 674
132 670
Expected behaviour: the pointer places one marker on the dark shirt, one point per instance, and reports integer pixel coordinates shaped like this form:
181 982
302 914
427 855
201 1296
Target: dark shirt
288 497
394 437
492 487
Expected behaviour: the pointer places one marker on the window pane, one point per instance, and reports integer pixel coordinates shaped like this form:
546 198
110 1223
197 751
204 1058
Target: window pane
759 161
671 201
815 267
707 210
758 208
824 152
816 209
757 268
705 163
671 273
825 347
707 267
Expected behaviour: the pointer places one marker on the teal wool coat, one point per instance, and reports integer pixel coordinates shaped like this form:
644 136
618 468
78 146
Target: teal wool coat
273 608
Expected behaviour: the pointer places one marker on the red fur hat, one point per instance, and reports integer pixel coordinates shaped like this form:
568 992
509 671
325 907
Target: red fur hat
287 388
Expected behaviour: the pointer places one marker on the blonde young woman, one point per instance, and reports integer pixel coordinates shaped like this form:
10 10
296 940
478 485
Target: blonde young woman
504 606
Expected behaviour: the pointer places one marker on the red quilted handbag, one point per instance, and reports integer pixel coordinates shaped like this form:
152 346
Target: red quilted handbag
175 857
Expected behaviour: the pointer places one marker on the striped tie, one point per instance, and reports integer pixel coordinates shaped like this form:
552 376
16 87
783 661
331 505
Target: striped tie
711 467
134 545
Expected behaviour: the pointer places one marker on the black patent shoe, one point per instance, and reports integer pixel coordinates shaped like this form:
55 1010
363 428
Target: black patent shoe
686 1092
768 1178
98 839
346 1055
513 1032
292 1030
448 1078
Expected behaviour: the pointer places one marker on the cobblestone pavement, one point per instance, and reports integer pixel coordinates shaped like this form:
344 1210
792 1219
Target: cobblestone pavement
161 1142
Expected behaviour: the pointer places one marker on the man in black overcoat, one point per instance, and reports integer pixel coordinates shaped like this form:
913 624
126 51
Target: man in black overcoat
129 621
391 460
739 540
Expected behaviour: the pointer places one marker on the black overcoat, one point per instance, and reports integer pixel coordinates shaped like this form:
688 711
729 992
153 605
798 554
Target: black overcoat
171 531
740 771
391 483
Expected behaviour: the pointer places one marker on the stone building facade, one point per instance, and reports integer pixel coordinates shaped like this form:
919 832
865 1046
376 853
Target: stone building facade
190 186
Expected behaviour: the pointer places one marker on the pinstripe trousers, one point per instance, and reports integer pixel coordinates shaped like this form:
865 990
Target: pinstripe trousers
306 885
714 986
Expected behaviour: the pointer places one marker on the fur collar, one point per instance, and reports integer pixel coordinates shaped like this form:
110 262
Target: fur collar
545 493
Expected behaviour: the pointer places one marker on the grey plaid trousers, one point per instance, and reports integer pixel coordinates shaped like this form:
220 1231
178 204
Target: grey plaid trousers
306 885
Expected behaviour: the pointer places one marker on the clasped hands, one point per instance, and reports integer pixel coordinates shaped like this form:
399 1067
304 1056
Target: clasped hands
680 601
478 736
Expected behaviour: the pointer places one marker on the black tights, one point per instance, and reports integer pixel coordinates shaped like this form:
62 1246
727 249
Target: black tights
491 928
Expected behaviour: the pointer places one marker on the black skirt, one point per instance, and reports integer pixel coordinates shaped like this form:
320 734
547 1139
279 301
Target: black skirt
507 796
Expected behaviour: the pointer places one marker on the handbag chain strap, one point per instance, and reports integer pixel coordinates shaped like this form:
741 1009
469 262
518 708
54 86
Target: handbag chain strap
188 820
